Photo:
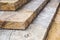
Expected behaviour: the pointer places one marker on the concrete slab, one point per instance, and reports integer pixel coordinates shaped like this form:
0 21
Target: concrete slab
22 18
37 30
11 4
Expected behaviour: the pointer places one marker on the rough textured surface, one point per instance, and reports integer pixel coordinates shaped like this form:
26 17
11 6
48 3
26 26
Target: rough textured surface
54 33
22 18
37 29
11 4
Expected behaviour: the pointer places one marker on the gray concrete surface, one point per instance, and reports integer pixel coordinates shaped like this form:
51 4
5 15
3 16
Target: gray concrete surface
37 29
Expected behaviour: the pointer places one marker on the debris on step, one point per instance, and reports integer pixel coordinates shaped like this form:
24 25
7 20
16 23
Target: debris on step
22 18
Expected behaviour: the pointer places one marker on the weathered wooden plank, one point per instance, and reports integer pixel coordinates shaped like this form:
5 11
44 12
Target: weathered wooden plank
54 33
33 32
11 4
22 18
38 29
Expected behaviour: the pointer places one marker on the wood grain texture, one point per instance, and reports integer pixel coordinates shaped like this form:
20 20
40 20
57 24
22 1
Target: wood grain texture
12 4
37 30
54 33
33 32
22 18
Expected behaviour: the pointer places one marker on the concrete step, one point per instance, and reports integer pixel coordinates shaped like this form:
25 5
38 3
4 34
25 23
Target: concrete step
11 4
54 32
22 18
37 30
